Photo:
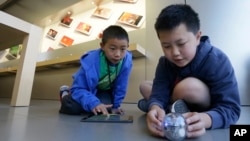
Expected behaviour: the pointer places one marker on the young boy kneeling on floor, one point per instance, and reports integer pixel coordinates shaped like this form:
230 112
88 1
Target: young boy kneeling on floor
100 84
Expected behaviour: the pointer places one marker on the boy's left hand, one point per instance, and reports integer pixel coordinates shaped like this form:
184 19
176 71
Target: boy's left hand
102 109
117 111
197 123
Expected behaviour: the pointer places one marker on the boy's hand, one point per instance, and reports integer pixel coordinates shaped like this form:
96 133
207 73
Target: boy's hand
117 111
197 123
102 108
154 120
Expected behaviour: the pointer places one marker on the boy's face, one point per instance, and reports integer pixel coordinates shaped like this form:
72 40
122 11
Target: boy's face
179 45
115 49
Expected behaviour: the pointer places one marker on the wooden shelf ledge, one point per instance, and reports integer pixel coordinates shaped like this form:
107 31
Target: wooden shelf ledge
62 62
137 50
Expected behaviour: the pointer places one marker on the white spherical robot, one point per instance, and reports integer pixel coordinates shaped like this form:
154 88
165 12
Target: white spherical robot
175 127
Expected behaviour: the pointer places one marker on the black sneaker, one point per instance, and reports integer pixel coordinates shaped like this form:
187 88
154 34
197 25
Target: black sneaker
143 105
179 106
63 89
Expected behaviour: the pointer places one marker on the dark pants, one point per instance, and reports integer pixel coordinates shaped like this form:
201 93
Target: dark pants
71 107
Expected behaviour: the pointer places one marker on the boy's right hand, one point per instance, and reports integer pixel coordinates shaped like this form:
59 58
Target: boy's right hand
102 108
155 117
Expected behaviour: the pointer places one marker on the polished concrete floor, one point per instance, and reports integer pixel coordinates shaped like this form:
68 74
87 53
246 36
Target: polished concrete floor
42 122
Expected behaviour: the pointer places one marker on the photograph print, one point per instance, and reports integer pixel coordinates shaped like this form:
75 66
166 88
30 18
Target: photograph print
101 12
66 41
131 19
66 21
84 28
52 34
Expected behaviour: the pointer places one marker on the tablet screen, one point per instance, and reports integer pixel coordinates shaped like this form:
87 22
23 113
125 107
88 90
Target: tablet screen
109 118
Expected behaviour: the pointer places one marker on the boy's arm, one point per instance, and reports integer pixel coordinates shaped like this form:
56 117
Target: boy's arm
81 91
225 101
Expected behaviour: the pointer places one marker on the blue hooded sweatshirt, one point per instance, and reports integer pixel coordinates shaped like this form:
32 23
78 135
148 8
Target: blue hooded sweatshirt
85 80
211 66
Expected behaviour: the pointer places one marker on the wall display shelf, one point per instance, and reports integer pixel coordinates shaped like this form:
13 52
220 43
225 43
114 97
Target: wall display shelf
64 61
130 14
47 64
8 70
58 63
137 50
129 1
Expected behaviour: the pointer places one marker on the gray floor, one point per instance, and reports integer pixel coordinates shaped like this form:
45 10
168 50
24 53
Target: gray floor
41 122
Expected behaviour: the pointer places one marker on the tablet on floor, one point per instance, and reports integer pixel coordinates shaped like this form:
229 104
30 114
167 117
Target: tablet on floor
115 118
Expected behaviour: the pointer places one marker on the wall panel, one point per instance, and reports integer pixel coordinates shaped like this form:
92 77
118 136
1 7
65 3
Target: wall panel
227 24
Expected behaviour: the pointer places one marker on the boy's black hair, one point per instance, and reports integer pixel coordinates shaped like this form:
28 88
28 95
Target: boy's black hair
114 31
174 15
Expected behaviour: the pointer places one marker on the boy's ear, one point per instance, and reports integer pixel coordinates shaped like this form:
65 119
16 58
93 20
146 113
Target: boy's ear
198 35
101 45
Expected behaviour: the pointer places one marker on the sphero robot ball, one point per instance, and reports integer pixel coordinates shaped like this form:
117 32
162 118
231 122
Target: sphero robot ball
174 126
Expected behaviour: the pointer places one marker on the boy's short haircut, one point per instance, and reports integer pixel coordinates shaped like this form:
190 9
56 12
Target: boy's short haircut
174 15
114 31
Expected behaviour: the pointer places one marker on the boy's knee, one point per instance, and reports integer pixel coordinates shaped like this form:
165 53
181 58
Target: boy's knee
145 88
192 90
146 85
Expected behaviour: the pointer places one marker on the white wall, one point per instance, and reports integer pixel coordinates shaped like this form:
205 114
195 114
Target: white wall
153 48
227 23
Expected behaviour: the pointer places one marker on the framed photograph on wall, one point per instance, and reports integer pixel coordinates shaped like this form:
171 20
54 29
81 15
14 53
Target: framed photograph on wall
131 19
66 41
129 1
84 28
104 13
66 21
52 34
